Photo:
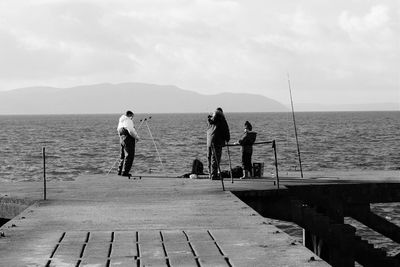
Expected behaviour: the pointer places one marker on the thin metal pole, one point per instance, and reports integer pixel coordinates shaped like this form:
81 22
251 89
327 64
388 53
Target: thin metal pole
44 173
112 166
276 163
295 128
230 163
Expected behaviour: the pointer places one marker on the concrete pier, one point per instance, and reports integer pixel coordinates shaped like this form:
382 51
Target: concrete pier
112 221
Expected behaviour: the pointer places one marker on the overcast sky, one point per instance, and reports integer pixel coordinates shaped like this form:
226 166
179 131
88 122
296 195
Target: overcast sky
342 51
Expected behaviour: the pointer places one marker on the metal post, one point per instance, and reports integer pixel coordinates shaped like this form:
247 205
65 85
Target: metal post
230 163
44 173
276 163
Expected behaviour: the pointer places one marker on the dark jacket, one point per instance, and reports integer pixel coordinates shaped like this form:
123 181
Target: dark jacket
218 130
247 141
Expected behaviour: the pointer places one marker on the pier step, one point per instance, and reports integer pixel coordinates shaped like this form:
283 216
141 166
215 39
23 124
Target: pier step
135 248
340 238
369 256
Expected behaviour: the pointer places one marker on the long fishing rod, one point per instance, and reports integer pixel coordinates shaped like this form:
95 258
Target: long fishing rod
152 138
295 127
142 121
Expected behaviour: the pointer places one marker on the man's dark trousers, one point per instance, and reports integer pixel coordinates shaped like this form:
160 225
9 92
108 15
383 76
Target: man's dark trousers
127 154
215 161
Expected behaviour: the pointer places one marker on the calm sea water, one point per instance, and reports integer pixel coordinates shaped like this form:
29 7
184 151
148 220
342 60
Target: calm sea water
88 144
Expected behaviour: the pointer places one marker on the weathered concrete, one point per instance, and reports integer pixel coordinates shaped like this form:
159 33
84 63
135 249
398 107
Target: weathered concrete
11 207
113 221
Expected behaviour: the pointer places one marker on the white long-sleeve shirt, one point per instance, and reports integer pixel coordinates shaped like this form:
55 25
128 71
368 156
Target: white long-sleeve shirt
127 123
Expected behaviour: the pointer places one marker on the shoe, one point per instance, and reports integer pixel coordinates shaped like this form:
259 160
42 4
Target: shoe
127 175
119 173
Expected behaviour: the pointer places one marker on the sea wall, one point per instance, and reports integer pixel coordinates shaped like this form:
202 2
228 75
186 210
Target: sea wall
11 207
320 210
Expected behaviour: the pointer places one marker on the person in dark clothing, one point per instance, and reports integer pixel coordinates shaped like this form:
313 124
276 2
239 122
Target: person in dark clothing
246 141
128 137
217 136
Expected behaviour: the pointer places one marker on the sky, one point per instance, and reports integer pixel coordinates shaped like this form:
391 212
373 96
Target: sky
334 52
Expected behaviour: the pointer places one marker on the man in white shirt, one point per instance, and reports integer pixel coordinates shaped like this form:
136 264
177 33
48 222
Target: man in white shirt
128 137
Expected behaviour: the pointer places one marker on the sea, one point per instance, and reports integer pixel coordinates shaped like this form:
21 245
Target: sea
77 145
88 144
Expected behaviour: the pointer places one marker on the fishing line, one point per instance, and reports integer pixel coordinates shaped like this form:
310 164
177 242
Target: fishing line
155 145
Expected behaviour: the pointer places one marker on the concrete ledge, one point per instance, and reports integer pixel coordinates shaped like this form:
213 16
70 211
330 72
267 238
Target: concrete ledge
11 207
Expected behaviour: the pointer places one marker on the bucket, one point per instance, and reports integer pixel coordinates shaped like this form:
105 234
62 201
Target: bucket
258 169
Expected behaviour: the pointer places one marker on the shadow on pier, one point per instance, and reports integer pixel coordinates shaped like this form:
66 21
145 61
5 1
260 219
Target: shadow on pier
320 210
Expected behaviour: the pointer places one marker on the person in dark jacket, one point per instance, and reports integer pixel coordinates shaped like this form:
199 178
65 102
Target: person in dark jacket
217 136
246 141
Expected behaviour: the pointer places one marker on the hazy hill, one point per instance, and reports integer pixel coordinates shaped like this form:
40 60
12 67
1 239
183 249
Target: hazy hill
116 98
348 107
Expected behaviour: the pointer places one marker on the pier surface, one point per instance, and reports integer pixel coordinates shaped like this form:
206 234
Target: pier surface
112 221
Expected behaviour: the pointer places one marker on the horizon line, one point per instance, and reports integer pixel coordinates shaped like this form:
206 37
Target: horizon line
229 112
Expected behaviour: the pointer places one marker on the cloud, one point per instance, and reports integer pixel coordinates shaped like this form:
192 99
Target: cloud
301 23
204 45
376 18
23 58
376 28
60 40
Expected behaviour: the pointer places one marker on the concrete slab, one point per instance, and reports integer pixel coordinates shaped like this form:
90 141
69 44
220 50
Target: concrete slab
99 236
122 262
205 248
151 251
174 236
199 235
172 248
98 262
125 237
182 260
121 249
213 261
112 221
97 250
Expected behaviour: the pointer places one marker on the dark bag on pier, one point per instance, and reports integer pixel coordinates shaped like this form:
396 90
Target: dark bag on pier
237 172
197 167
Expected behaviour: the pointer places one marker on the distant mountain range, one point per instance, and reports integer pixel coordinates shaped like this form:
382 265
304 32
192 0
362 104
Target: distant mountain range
348 107
149 98
139 97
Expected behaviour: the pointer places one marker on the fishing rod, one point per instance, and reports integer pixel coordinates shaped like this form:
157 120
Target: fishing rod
142 121
295 127
155 145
